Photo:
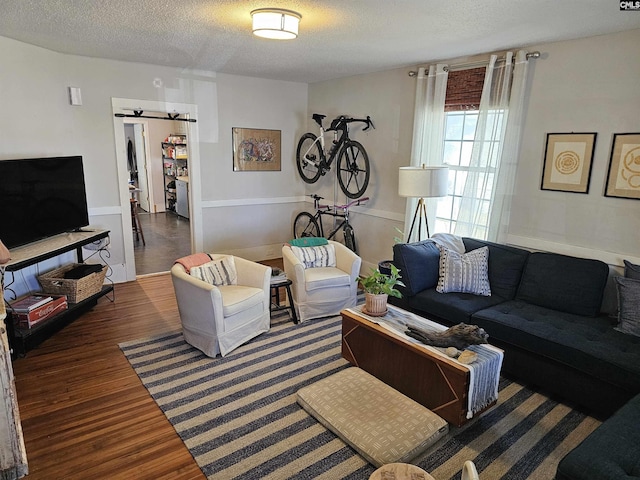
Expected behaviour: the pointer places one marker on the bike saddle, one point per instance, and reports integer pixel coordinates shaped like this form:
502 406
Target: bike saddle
318 118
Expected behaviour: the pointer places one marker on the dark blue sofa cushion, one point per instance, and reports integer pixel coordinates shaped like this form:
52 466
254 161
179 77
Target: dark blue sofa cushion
612 451
505 266
564 283
418 263
450 308
587 344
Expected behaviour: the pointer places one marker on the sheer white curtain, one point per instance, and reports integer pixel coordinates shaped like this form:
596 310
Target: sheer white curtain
428 131
503 190
485 205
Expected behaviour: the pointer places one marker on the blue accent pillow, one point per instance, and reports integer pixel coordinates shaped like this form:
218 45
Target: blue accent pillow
418 264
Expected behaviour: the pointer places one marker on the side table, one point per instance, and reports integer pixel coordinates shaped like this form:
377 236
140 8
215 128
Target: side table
285 283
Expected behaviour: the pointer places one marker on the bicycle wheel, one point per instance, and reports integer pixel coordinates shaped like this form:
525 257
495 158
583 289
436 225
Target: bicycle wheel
308 158
353 169
305 226
350 238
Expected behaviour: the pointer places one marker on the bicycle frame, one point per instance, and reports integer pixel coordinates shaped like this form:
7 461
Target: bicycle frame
323 163
342 125
318 217
332 211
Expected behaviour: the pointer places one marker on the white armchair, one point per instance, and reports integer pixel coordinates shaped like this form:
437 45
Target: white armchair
217 319
323 291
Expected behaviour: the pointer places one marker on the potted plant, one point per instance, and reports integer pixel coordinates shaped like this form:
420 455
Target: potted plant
377 287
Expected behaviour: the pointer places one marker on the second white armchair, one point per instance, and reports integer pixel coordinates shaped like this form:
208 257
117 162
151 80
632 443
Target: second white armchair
325 290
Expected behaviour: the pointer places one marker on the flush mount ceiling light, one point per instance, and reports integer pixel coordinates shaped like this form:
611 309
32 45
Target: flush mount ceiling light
275 23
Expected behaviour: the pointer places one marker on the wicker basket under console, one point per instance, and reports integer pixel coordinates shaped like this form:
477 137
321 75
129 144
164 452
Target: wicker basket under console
76 290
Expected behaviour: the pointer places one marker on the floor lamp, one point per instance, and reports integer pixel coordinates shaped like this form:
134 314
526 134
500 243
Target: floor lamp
422 182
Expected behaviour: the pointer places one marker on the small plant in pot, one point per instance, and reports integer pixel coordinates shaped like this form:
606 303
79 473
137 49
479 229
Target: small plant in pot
377 287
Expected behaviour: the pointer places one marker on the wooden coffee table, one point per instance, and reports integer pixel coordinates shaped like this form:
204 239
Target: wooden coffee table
435 381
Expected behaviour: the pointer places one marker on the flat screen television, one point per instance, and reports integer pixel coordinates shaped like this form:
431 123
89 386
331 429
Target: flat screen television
41 197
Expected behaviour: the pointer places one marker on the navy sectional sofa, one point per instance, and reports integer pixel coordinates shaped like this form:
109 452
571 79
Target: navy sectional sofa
612 451
544 311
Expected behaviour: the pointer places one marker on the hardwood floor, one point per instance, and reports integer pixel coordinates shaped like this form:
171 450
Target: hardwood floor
85 414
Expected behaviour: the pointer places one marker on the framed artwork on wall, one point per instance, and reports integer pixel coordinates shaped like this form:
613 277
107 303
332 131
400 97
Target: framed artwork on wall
567 162
256 150
623 178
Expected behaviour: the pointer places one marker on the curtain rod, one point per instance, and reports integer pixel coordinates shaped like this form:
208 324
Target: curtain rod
464 66
139 114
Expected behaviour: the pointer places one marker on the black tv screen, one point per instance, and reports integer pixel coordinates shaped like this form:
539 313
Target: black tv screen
41 197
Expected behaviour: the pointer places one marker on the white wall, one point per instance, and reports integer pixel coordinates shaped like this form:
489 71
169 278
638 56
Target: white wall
388 97
40 122
251 213
588 85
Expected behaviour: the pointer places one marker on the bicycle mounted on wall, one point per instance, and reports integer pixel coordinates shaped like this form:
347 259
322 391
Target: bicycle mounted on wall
307 225
353 161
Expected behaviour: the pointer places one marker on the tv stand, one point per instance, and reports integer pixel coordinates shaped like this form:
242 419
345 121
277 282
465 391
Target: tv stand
21 339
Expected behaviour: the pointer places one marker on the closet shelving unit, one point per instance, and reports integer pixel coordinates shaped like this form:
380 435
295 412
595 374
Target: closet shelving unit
175 164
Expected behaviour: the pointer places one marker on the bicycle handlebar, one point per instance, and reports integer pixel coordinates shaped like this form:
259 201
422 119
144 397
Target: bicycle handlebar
367 120
357 202
369 124
336 122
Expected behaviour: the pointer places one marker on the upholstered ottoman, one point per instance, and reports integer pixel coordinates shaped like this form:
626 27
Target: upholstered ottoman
380 423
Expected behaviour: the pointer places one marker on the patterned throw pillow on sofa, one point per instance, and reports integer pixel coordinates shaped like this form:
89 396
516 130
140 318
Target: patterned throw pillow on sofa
464 272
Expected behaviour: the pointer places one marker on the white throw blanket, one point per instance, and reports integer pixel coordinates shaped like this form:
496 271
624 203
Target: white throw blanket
484 373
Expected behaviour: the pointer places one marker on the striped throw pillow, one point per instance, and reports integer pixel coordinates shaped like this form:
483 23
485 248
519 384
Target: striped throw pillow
312 257
217 272
464 272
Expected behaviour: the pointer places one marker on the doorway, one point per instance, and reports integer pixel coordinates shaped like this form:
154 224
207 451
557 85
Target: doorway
163 230
160 231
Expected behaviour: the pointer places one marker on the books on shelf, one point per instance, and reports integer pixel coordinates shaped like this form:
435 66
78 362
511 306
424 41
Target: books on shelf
56 304
29 303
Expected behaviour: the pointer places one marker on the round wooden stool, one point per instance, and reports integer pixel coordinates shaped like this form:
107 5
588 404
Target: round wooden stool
400 471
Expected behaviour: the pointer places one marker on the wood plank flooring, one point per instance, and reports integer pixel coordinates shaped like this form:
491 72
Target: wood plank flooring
85 414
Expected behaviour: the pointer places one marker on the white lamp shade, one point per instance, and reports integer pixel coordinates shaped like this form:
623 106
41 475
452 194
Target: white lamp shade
422 182
275 23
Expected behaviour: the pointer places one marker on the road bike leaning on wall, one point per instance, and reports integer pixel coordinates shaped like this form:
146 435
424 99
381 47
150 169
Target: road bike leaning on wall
307 225
353 161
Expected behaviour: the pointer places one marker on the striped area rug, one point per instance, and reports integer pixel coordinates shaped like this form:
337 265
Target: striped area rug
239 418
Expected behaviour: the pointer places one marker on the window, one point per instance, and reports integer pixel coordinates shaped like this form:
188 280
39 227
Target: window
464 89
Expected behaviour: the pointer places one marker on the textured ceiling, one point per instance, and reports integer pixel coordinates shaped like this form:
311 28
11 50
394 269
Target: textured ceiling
338 38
